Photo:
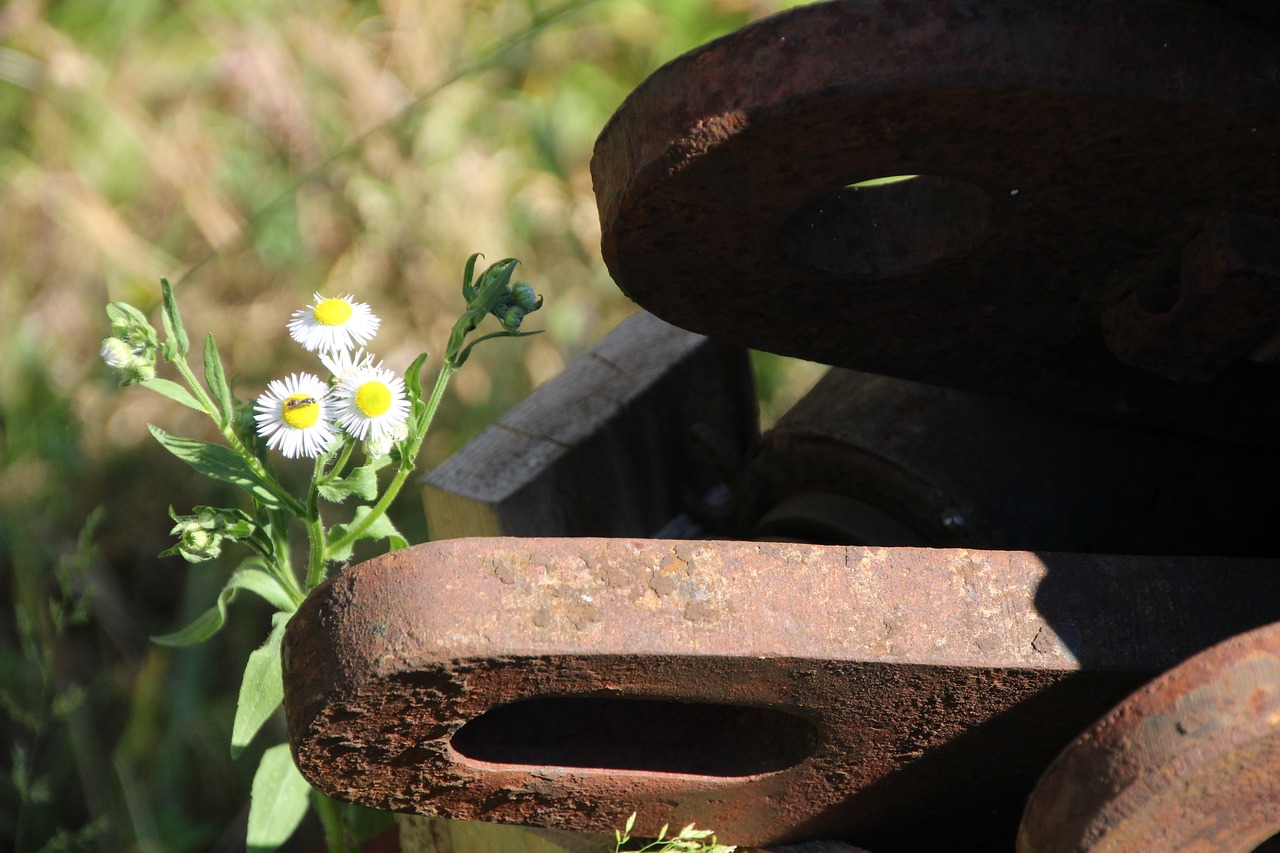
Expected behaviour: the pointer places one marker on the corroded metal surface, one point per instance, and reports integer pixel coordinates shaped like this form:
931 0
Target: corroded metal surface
1222 305
772 691
1069 151
1191 762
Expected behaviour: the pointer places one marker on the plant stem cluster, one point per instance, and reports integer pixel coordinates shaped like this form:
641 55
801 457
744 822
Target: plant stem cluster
361 404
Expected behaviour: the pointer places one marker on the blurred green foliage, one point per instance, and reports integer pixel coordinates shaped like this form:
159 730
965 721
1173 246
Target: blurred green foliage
254 151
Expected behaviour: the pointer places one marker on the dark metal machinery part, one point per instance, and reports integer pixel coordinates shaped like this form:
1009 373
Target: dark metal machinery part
870 460
1189 763
1261 11
904 699
1069 152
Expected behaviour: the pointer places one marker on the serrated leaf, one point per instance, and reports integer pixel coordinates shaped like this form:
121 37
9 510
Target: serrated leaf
218 462
216 379
173 391
362 482
382 528
334 492
248 577
173 330
278 800
261 689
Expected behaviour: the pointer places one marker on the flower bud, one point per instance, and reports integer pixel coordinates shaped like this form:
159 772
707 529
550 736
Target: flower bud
511 318
513 305
201 536
136 363
131 326
117 354
522 294
384 444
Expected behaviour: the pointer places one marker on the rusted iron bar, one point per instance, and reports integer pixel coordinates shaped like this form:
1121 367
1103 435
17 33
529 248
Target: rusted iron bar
1067 151
894 697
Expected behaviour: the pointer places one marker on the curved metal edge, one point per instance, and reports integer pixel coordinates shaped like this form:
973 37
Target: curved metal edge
1189 762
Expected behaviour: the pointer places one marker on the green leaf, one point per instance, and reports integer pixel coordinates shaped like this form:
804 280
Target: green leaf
217 381
261 689
173 330
362 482
334 492
220 463
468 292
413 377
382 528
466 353
248 576
173 391
278 800
123 313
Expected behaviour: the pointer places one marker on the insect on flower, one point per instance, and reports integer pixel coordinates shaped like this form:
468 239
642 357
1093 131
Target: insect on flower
294 416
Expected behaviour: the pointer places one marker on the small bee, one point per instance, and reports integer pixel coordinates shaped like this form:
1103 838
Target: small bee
298 403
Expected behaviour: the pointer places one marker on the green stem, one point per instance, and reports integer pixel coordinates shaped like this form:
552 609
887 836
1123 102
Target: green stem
202 396
316 554
315 533
336 469
407 460
279 564
437 393
335 834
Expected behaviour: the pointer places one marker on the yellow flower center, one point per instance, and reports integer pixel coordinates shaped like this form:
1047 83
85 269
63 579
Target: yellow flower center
300 411
333 312
373 399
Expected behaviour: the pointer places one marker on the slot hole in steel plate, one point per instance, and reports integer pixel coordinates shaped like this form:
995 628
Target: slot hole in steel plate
886 226
651 735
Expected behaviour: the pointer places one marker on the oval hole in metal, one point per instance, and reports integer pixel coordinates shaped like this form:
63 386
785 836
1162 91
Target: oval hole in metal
886 226
657 736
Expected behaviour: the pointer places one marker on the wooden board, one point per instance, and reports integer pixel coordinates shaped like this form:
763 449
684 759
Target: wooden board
610 447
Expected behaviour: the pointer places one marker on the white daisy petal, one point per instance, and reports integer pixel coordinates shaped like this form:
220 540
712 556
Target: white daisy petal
295 416
341 362
371 403
334 323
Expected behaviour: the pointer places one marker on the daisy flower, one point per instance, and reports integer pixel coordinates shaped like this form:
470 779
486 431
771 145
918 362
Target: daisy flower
294 415
371 403
341 362
336 323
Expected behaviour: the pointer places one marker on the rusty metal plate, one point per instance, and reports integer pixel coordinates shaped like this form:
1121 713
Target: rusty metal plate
1188 764
899 698
1068 153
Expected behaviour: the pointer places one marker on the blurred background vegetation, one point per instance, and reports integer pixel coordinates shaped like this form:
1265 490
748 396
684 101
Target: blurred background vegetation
255 151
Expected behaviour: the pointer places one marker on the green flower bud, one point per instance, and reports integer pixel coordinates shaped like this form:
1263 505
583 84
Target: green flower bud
117 354
511 318
130 325
201 536
522 294
137 364
512 306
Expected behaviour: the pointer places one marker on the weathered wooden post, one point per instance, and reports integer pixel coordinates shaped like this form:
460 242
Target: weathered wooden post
883 619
